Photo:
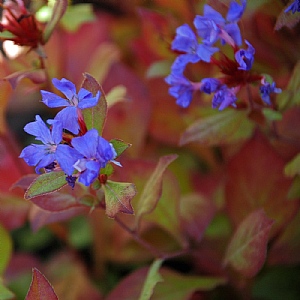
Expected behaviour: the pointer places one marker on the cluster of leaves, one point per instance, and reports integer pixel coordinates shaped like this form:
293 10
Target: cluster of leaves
219 219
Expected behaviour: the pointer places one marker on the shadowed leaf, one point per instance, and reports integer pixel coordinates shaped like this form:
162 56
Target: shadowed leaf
293 167
45 184
247 249
40 288
219 128
58 11
95 116
118 197
5 293
5 249
153 188
36 76
153 277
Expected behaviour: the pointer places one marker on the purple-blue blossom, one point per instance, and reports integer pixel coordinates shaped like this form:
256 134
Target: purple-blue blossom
209 85
69 115
181 88
43 155
96 153
224 97
295 6
245 58
266 89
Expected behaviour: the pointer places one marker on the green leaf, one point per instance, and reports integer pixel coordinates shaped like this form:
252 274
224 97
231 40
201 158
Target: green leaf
116 94
153 277
290 96
40 288
181 287
118 197
80 234
153 188
120 146
246 251
95 116
159 69
293 167
45 184
5 249
58 11
5 293
271 114
219 128
294 191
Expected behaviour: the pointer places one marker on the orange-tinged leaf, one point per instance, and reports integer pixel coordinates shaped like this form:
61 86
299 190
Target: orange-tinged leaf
40 288
118 197
153 188
95 116
247 250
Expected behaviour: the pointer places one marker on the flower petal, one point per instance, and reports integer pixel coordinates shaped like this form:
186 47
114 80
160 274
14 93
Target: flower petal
39 129
87 100
65 86
53 100
87 144
69 119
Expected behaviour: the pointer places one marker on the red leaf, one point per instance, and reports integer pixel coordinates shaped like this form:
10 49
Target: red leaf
256 180
40 288
247 249
36 76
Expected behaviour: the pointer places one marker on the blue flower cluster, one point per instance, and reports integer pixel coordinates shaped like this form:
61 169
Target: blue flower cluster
80 157
211 28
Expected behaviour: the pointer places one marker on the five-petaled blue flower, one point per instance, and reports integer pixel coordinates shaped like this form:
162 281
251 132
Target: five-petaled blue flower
42 155
266 89
74 102
96 153
295 6
245 58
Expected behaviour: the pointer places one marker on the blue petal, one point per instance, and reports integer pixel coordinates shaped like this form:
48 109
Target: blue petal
52 100
56 131
32 154
185 39
87 144
65 86
40 130
86 100
207 29
212 14
236 11
181 61
67 157
205 52
46 160
69 119
209 85
105 151
90 174
234 31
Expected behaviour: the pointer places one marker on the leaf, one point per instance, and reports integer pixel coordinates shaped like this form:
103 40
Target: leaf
36 76
246 251
40 288
293 167
45 184
219 128
95 116
159 69
289 97
116 94
118 197
119 146
5 293
294 191
5 249
271 114
153 277
58 11
153 188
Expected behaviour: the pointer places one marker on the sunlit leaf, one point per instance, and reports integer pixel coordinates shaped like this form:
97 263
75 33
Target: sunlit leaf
289 97
293 167
40 288
153 188
247 249
116 94
95 116
118 197
36 76
58 11
45 184
159 69
153 277
223 127
119 146
5 249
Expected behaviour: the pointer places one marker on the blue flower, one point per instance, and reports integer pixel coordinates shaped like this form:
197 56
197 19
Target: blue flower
266 89
295 6
96 152
245 58
209 85
212 26
43 155
224 97
69 115
181 89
